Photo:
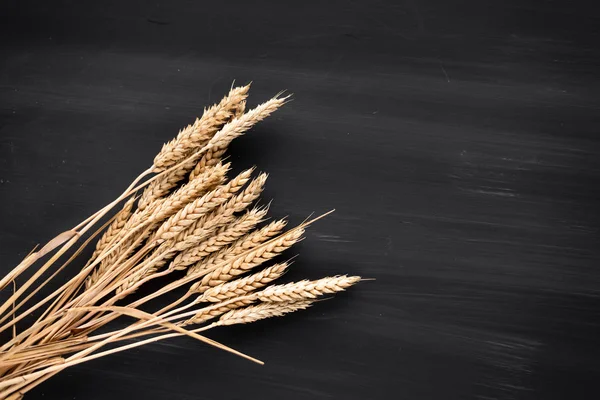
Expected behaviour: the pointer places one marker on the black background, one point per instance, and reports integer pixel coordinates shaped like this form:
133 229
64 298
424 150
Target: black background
458 141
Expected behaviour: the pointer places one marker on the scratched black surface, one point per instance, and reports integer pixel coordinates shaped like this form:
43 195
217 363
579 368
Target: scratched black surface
458 141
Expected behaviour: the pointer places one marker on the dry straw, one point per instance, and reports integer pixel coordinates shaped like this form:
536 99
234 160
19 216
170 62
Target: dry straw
181 214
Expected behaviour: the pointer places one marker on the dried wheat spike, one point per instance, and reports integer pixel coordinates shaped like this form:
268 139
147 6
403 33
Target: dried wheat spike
303 290
113 229
209 313
243 286
240 246
239 126
261 311
218 144
199 207
240 265
224 236
203 129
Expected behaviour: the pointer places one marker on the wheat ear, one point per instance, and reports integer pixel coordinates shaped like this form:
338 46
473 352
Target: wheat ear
196 135
305 289
218 145
261 311
243 286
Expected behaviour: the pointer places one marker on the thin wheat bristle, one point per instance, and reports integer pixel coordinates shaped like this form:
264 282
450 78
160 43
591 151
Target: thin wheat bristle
305 289
242 286
240 265
261 311
224 236
240 246
203 129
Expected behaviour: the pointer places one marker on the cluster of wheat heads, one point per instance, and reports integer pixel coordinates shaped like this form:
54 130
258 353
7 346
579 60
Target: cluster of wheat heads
184 221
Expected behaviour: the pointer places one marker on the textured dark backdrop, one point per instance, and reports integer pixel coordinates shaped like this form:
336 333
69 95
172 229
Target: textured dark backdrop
458 141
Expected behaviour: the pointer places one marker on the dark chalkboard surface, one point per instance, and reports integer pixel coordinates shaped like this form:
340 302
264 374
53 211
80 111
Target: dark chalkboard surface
458 141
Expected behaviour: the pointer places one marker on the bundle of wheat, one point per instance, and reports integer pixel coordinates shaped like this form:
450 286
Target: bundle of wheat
184 216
